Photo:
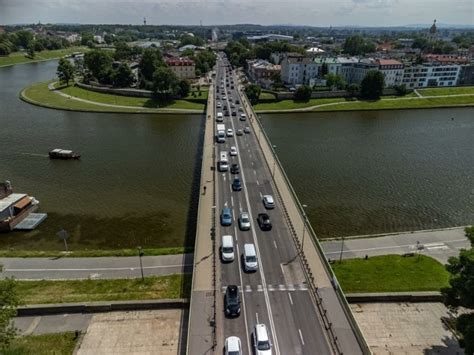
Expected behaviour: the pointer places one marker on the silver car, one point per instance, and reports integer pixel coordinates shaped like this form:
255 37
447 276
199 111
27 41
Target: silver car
244 221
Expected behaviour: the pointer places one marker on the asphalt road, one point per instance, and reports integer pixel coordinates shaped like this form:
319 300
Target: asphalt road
94 268
439 244
276 294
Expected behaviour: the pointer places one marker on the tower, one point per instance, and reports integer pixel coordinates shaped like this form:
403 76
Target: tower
433 33
144 21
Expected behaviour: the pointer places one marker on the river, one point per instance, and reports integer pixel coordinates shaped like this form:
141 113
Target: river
136 184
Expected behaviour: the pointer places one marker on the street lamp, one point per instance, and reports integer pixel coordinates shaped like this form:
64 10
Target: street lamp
342 250
140 254
304 226
274 160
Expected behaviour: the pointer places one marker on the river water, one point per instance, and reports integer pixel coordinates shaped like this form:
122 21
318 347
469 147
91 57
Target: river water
136 184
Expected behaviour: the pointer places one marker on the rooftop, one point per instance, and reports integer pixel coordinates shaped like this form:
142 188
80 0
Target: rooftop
10 200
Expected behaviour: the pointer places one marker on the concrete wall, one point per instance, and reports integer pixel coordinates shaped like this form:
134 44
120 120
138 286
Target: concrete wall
115 91
280 95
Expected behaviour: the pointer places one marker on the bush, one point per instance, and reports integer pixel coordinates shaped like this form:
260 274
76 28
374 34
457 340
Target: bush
303 93
401 90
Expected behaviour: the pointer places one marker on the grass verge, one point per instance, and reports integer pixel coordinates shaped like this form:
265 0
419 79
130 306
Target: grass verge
447 91
44 344
391 273
153 287
12 253
291 104
19 57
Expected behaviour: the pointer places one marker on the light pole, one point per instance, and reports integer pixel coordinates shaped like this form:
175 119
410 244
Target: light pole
304 226
342 250
274 160
140 254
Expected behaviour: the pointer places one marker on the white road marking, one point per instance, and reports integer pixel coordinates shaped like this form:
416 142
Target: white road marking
256 317
255 172
301 336
258 183
275 244
97 269
438 247
261 196
232 200
291 299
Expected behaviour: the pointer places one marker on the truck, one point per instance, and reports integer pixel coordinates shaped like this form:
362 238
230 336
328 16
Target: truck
220 133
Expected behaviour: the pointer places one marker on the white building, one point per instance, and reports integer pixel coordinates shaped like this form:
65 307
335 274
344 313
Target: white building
298 70
431 74
392 71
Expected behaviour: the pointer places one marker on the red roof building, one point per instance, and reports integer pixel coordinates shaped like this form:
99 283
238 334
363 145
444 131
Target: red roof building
183 67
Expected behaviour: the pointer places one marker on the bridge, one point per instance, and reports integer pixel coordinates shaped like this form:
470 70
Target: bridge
293 292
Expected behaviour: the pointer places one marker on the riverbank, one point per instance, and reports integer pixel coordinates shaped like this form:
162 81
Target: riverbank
426 98
76 99
20 58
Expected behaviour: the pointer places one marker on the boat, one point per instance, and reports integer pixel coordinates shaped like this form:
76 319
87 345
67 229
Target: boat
63 154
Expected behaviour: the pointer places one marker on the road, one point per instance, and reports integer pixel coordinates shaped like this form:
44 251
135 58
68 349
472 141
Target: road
276 294
439 244
94 268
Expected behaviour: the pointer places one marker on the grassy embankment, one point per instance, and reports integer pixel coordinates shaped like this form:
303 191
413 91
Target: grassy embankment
391 273
44 344
388 102
41 95
20 58
153 287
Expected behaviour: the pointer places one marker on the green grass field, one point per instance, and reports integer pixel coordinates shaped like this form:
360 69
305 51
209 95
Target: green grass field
44 344
391 273
447 91
266 96
19 57
153 287
291 104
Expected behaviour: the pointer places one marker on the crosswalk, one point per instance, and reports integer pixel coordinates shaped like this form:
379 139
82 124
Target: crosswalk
259 288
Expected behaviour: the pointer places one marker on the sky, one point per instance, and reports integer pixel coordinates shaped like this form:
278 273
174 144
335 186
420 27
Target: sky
218 12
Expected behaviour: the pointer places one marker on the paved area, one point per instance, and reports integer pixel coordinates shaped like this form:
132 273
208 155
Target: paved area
144 332
52 324
400 328
439 244
94 268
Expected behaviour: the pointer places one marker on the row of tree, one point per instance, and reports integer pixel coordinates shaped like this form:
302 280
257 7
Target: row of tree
14 41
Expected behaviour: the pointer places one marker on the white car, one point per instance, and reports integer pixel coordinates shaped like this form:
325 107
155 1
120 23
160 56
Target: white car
268 202
219 105
233 151
247 129
230 133
224 97
233 346
261 340
244 221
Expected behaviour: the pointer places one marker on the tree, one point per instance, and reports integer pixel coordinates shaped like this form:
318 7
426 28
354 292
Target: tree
335 81
356 45
401 90
122 51
150 61
460 293
253 92
31 51
372 85
9 302
98 62
65 71
23 38
184 88
164 81
123 76
353 89
87 39
303 93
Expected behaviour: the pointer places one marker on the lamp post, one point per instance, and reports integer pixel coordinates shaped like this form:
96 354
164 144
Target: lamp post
274 160
140 254
304 226
342 250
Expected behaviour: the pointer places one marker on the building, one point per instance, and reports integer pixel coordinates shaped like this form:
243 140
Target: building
431 74
445 59
261 72
392 70
270 37
466 76
183 67
298 70
314 51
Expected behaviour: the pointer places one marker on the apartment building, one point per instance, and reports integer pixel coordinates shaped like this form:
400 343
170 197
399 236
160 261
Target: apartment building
183 67
262 71
430 74
392 70
298 70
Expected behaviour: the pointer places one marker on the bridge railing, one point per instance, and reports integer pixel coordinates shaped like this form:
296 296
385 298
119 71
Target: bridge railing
327 267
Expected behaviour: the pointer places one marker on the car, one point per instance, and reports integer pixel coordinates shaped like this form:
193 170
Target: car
236 184
233 151
237 101
239 132
232 105
225 108
227 248
230 132
234 169
233 346
219 105
232 87
244 221
226 113
268 201
264 222
247 129
250 258
226 216
224 97
243 117
230 98
241 109
232 301
234 113
261 340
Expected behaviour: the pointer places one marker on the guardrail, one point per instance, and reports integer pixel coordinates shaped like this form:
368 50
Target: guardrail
312 286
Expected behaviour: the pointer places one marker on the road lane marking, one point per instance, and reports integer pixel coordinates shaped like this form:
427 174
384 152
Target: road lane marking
258 183
255 172
256 317
261 196
291 299
132 268
232 200
301 336
275 244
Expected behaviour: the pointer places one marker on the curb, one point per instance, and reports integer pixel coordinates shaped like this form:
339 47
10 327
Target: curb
100 307
394 297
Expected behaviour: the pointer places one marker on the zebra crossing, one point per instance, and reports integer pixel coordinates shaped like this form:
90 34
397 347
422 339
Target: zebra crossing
271 288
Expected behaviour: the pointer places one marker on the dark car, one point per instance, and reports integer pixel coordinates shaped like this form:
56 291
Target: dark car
234 169
234 113
226 113
236 184
237 101
232 301
225 108
264 221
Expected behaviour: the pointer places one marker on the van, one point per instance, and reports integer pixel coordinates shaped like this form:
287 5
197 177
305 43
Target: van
223 164
250 258
261 340
227 248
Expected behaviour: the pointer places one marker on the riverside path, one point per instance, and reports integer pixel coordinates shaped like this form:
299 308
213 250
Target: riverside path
293 292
